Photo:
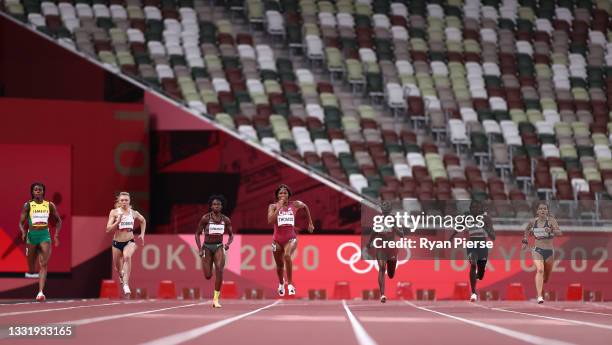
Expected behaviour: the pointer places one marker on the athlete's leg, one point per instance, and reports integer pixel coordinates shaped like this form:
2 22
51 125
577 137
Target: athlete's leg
482 268
128 251
548 267
207 262
32 252
538 261
289 249
278 251
43 260
473 271
219 260
391 266
118 262
382 267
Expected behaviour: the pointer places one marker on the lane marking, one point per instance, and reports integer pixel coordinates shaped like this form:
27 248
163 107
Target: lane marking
196 332
363 338
528 338
583 323
55 309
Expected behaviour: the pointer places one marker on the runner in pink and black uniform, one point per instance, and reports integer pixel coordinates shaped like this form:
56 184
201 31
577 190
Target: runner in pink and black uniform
284 241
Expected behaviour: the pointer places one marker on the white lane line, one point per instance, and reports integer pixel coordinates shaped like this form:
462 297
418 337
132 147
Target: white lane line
54 309
528 338
588 312
363 338
181 337
119 316
583 323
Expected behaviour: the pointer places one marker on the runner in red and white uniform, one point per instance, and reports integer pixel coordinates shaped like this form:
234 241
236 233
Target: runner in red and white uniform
284 242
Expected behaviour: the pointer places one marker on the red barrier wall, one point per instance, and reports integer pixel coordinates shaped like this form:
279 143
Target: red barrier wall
322 260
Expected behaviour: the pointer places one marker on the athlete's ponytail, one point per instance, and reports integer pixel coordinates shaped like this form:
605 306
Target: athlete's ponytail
118 196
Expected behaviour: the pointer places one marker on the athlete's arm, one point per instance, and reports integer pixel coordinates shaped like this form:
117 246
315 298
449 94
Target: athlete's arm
489 227
22 218
198 232
228 224
58 222
526 233
143 226
555 227
298 205
272 212
112 221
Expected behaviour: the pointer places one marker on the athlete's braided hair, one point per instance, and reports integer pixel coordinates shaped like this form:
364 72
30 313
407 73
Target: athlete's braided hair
39 184
278 189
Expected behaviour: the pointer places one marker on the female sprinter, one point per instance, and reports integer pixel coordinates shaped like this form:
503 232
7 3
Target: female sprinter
478 256
284 241
122 220
214 224
38 243
386 257
544 228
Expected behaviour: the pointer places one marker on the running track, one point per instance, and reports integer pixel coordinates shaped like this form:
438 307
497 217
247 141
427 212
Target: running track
299 322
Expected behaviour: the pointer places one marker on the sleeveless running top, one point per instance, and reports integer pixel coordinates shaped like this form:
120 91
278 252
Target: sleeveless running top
215 227
38 218
539 232
127 221
284 226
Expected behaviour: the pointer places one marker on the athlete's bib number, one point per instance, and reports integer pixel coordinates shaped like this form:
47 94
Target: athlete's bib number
540 233
287 219
40 219
216 229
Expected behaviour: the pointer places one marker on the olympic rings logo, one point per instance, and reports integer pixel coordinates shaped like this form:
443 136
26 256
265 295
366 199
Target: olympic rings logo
354 258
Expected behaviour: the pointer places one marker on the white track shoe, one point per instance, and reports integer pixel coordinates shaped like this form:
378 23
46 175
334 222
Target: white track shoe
474 297
291 289
281 290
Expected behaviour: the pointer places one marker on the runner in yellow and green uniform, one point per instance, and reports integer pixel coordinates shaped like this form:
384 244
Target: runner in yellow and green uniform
38 239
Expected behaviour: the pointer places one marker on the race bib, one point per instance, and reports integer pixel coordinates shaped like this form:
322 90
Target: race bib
285 218
40 219
126 224
216 229
540 233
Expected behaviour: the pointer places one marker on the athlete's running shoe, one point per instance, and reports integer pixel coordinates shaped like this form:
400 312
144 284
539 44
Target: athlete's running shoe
291 289
281 290
474 297
216 304
383 299
540 300
126 289
40 297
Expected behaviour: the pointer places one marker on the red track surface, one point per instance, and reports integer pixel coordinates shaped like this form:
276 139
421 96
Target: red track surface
314 322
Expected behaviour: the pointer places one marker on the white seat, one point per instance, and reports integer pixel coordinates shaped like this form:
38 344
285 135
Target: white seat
49 9
381 21
36 19
439 68
491 127
543 24
399 33
468 114
246 51
327 20
402 170
340 146
101 11
255 86
248 131
491 68
84 11
367 55
275 23
404 67
545 127
550 150
580 185
316 111
314 47
152 12
271 143
358 181
156 48
415 159
395 95
602 152
345 20
458 132
399 9
135 35
221 84
453 34
323 145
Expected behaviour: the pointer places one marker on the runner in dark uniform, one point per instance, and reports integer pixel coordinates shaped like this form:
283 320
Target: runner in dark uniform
544 228
284 241
38 239
478 256
386 257
214 225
